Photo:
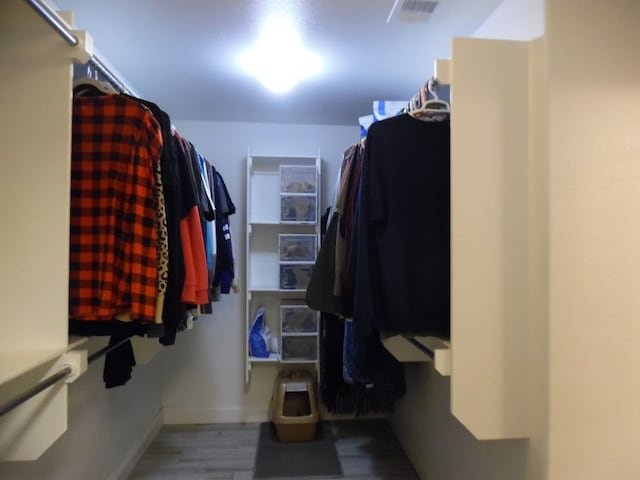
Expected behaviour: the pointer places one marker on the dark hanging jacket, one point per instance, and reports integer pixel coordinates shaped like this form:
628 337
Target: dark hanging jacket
224 271
402 274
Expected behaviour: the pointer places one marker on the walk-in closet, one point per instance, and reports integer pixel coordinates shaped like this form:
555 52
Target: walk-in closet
295 239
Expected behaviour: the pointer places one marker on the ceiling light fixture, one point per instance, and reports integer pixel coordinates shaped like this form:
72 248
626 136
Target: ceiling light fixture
278 59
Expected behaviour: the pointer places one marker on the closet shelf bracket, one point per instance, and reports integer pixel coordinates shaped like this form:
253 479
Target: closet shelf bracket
77 360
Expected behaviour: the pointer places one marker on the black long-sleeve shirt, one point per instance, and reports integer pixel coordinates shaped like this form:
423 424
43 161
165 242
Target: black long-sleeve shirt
403 229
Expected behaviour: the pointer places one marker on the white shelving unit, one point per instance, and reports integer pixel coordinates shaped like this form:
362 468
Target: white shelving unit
283 235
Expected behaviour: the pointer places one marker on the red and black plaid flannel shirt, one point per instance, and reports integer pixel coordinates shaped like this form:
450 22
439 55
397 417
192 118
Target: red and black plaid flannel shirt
113 239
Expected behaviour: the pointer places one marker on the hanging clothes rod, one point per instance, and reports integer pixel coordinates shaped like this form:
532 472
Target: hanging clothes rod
52 379
52 18
18 400
111 77
424 349
61 27
103 351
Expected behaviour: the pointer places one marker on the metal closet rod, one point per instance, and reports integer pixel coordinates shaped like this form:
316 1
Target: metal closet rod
103 351
52 379
18 400
52 18
110 75
424 349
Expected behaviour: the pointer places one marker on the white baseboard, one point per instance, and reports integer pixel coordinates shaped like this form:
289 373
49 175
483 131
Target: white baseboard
183 416
132 459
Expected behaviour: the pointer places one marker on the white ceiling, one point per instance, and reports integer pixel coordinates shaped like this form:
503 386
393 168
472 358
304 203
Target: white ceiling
181 55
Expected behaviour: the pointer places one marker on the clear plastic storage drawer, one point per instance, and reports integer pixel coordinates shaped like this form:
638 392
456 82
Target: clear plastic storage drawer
297 248
295 277
298 319
298 208
299 349
298 179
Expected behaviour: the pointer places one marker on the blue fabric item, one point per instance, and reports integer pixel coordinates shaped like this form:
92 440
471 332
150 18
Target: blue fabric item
208 231
363 301
354 357
383 109
257 344
224 273
364 123
347 358
368 365
227 275
211 253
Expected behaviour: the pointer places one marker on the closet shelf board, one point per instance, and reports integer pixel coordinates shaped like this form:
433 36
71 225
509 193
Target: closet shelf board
269 222
277 159
273 357
276 290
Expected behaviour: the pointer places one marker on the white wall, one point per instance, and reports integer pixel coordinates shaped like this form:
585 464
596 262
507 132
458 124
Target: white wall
439 446
594 243
108 428
514 20
205 373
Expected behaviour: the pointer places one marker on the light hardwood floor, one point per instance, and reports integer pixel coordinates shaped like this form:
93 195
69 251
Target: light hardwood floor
367 450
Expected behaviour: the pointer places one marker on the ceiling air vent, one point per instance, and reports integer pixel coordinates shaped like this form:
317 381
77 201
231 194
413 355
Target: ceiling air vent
412 10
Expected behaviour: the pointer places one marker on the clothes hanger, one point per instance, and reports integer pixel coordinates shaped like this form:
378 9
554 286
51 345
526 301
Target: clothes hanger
424 96
433 109
84 84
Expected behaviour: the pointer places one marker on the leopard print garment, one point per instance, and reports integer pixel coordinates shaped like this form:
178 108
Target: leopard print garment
163 242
